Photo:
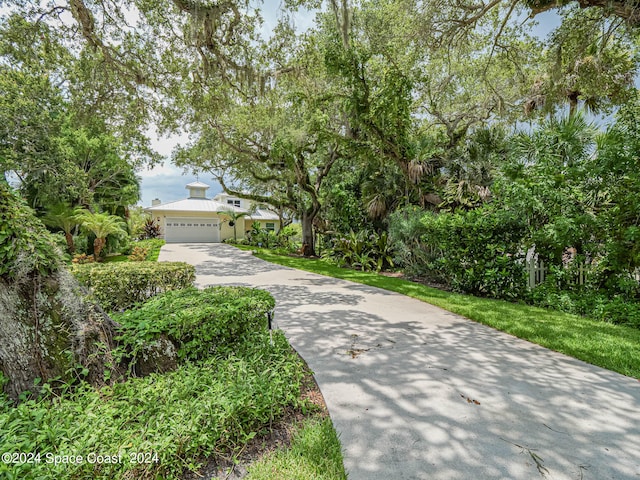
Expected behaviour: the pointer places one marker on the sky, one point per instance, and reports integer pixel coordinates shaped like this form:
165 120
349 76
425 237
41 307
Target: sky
167 182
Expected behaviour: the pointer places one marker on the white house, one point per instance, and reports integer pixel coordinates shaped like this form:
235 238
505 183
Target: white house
198 219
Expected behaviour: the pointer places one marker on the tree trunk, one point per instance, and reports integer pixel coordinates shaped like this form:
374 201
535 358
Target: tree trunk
308 238
98 245
48 330
69 238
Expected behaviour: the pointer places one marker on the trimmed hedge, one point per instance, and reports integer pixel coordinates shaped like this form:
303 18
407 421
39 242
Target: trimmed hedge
118 286
477 252
198 322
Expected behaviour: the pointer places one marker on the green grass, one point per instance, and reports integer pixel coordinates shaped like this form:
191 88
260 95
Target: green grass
154 245
614 347
314 454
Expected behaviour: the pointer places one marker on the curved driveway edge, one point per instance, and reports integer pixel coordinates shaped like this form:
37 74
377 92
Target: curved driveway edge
416 392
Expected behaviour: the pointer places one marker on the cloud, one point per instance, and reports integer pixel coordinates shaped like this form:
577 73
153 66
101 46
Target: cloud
171 187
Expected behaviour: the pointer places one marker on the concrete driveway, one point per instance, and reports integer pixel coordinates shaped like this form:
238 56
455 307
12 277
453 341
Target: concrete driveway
416 392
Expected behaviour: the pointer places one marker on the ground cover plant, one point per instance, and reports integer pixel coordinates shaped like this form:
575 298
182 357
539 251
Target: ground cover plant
174 420
232 381
615 347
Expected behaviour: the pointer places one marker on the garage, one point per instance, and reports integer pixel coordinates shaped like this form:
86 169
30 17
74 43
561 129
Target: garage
191 230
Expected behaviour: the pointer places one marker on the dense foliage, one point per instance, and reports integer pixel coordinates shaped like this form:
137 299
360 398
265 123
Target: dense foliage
118 286
565 194
25 244
199 323
478 251
173 420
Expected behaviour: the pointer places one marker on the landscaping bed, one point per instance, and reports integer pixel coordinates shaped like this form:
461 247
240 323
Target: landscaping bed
203 390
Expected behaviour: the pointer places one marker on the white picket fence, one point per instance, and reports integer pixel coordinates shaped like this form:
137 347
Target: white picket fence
537 272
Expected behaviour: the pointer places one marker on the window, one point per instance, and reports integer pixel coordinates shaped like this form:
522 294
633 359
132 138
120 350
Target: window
235 203
270 226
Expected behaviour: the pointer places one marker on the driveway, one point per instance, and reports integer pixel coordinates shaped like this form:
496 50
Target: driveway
416 392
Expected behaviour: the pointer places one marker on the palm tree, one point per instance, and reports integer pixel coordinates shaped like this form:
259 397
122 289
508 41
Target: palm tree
233 219
101 225
63 217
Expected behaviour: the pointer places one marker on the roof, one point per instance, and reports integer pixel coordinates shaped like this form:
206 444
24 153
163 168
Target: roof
197 185
261 214
203 205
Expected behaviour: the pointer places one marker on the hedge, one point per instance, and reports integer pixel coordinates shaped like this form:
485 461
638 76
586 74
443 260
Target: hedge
198 322
118 286
478 252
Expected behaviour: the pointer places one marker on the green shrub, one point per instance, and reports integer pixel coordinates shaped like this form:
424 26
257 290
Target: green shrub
199 322
478 251
584 300
119 286
405 232
236 241
178 418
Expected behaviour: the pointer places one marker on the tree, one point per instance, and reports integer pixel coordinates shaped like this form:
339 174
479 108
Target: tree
57 151
31 107
65 218
275 143
47 329
591 59
615 180
548 182
101 225
624 9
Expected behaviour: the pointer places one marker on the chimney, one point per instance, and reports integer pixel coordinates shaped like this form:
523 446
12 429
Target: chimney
155 201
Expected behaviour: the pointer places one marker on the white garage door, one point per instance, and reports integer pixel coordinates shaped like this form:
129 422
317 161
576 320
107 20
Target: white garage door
191 230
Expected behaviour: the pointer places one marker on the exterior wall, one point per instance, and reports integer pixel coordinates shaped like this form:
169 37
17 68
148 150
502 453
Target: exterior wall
226 231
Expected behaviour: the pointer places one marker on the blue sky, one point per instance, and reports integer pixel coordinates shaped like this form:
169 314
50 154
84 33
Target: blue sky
167 182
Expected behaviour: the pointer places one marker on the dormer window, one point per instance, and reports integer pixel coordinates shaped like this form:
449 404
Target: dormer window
235 203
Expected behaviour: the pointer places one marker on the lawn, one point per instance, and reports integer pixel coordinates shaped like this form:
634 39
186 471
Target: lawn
614 347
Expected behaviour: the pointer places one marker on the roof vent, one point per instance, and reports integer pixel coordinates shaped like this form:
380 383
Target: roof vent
155 201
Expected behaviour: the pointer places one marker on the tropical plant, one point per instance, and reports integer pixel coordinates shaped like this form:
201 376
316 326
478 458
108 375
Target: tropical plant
261 237
363 250
101 225
150 229
65 218
233 216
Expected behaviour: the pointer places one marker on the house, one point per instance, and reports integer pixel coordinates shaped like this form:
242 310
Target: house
259 213
198 219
